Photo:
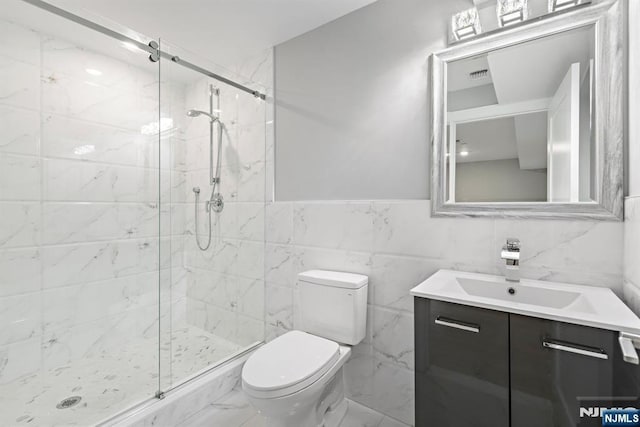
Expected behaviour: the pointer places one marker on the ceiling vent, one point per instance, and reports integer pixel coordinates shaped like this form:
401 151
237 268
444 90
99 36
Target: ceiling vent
479 74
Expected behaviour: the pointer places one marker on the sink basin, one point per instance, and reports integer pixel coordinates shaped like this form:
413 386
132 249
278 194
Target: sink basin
516 292
583 305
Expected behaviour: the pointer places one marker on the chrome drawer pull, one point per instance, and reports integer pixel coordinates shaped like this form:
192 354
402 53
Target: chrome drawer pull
577 349
469 327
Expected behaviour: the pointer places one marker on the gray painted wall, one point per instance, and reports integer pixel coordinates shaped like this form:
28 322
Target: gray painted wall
352 103
499 181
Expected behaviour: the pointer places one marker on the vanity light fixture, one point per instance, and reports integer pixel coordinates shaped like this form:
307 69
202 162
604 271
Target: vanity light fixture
466 24
464 150
512 11
558 5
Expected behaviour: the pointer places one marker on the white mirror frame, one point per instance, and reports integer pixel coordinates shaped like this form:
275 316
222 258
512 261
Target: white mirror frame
610 79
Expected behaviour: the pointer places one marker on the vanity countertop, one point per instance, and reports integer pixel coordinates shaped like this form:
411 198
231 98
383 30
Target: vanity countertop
591 306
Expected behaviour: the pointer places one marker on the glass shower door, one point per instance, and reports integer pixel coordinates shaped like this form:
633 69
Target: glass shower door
212 289
79 222
106 297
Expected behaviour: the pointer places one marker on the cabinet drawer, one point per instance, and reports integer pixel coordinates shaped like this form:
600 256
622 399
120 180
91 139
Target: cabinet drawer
558 367
468 338
461 362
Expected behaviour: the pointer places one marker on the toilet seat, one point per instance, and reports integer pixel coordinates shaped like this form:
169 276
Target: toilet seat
288 364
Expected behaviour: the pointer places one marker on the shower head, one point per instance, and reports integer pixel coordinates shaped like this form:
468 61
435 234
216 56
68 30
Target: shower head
196 113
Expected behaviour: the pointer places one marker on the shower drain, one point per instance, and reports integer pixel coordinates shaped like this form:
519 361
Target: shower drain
69 402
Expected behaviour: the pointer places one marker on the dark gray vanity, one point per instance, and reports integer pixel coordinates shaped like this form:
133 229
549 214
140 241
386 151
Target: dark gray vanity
489 368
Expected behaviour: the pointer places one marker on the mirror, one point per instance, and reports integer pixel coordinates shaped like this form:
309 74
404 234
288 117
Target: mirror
528 122
521 131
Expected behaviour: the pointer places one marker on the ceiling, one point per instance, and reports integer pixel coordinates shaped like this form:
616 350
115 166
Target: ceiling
226 31
516 72
458 73
534 70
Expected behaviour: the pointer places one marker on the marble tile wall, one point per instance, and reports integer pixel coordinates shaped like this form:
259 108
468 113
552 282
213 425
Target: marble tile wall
632 203
181 404
397 244
633 154
632 253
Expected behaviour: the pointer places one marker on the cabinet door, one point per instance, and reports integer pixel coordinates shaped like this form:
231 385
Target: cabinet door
557 368
462 366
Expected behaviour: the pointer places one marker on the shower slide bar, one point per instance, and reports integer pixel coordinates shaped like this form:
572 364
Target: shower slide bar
152 48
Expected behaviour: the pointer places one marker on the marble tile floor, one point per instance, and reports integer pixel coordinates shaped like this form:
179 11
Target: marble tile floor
235 411
108 382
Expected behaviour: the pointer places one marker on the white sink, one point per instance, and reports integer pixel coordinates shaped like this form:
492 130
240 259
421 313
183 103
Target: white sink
584 305
517 292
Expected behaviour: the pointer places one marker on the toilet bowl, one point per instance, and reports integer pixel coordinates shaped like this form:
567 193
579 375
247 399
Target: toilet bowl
296 380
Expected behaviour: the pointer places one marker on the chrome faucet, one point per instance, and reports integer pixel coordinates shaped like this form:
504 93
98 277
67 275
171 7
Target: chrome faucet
511 254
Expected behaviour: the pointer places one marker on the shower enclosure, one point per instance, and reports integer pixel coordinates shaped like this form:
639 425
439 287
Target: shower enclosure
106 300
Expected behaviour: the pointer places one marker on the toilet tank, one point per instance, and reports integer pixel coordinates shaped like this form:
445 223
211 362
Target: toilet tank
332 305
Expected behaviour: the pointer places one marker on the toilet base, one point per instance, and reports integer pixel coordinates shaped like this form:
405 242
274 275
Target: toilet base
328 411
334 417
322 404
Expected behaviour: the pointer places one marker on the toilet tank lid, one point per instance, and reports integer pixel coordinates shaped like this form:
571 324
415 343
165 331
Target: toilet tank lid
334 278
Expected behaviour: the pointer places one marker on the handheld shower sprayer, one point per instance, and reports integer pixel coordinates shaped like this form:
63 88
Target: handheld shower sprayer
215 202
196 113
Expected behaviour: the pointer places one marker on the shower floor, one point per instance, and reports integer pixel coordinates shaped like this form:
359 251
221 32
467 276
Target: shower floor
108 383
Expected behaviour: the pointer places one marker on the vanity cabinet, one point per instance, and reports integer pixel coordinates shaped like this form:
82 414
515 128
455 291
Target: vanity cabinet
487 368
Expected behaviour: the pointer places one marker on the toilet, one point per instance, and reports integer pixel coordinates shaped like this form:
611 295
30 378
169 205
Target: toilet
296 380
